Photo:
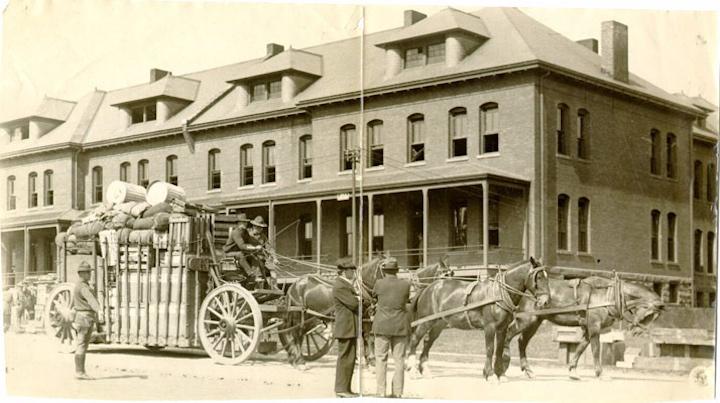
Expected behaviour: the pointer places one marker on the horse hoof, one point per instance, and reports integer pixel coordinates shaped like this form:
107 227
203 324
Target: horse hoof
302 367
604 378
530 374
574 375
502 379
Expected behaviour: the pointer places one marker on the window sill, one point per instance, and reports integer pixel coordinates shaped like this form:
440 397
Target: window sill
563 157
246 187
584 254
305 180
583 160
31 209
415 164
375 168
47 207
268 185
348 172
657 263
564 252
457 159
489 155
213 191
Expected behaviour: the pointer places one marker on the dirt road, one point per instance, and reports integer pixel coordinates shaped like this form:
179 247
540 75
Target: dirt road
36 368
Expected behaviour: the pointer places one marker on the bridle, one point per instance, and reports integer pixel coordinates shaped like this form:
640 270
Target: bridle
506 289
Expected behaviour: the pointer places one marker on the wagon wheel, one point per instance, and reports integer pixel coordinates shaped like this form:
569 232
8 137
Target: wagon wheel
58 317
229 324
316 342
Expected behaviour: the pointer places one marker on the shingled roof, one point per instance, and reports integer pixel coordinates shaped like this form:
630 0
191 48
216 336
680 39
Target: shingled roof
514 41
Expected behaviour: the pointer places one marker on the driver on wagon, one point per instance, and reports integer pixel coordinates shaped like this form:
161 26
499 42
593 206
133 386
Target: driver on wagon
245 244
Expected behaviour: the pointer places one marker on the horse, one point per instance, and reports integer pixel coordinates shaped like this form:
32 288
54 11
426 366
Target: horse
594 304
490 306
423 277
313 294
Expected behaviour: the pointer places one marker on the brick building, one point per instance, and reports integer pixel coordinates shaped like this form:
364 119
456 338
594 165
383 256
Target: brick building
486 136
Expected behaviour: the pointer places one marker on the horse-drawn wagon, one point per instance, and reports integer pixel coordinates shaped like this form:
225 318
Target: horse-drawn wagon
172 289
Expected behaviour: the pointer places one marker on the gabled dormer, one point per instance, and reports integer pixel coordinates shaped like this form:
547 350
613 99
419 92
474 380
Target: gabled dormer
281 74
48 115
446 37
159 100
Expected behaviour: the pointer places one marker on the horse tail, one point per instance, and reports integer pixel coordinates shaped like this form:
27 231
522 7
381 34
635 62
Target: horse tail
414 303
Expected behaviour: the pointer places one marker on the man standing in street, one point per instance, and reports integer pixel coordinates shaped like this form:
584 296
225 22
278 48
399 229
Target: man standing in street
391 327
86 309
347 302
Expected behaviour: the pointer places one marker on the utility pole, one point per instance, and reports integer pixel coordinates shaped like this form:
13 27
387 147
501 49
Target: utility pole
353 155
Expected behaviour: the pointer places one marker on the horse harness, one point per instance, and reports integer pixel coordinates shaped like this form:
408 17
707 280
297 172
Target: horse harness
614 298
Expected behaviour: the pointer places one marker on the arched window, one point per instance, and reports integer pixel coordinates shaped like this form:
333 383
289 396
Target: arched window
671 233
32 190
562 128
583 134
710 252
375 143
711 182
563 211
142 173
347 143
489 128
306 157
416 137
671 155
97 184
214 173
49 196
655 152
268 162
655 235
124 171
458 132
171 173
583 225
697 179
10 188
697 251
246 165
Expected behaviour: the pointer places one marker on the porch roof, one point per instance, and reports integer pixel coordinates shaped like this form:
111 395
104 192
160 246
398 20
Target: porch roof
40 218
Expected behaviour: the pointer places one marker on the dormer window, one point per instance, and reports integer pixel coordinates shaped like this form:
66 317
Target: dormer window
144 113
420 56
262 91
24 131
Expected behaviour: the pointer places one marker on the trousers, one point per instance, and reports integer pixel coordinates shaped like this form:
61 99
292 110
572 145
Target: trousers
84 323
384 345
345 364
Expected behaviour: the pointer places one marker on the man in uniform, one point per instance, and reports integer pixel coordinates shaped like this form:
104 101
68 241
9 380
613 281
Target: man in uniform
245 243
391 327
346 301
86 308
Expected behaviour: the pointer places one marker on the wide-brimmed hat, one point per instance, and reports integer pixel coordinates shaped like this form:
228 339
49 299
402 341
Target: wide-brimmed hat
390 264
345 264
242 217
84 266
258 222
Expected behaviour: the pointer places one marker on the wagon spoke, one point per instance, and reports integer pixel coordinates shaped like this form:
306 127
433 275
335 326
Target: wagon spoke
215 312
239 342
212 322
307 344
239 311
217 341
242 334
312 337
246 327
244 318
214 332
232 348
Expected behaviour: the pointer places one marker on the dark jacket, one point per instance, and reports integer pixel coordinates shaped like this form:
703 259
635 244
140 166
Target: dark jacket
239 240
346 309
391 310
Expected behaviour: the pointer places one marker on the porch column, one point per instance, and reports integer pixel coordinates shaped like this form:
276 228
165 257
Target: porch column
485 227
426 206
271 223
526 226
318 219
26 252
371 211
58 253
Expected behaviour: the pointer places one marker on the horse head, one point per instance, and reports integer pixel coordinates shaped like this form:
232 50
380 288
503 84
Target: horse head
642 307
537 283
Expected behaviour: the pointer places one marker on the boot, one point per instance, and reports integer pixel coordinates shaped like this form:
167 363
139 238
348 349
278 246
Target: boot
80 368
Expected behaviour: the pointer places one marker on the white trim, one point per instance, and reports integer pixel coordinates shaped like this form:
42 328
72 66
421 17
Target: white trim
213 191
375 168
415 164
458 159
304 180
493 154
345 172
268 185
246 187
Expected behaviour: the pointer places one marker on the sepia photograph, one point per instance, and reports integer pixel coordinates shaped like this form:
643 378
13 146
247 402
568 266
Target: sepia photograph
225 200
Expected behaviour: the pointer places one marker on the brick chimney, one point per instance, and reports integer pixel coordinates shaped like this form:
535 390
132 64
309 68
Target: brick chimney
412 16
614 50
273 49
156 74
590 43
